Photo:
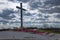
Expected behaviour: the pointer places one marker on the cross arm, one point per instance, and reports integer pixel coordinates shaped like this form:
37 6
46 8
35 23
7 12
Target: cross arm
20 8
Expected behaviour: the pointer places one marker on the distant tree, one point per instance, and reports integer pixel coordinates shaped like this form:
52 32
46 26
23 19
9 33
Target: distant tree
31 27
15 27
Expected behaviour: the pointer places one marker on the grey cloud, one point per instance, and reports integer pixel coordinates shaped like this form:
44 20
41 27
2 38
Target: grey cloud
39 15
14 22
3 21
20 0
46 17
45 11
56 10
52 10
48 4
6 12
40 18
52 2
27 22
12 0
23 0
35 5
2 3
28 14
57 16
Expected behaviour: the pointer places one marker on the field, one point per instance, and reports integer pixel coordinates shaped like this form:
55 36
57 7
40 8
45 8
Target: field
52 30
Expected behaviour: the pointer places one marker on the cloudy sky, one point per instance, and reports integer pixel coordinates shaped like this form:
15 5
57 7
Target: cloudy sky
40 13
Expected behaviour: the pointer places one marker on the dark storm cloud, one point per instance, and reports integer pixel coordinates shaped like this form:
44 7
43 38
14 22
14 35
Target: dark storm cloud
6 12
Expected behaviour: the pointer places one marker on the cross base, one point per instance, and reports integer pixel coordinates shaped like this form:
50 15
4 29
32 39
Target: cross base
21 28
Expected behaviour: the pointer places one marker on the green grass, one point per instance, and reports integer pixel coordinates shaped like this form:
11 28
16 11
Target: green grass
50 31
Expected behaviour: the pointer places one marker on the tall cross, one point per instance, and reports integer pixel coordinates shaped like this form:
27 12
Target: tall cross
21 9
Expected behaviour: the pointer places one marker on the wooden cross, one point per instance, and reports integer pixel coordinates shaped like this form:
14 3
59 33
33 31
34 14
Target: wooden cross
21 9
